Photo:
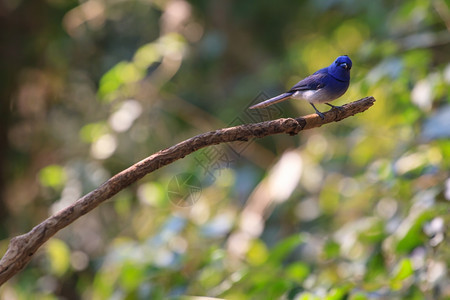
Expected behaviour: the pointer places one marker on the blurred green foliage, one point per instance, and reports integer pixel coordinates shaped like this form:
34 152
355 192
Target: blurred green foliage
353 210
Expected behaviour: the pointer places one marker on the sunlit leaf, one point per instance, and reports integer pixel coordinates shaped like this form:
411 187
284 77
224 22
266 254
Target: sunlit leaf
211 276
277 288
404 269
131 276
52 176
358 296
103 285
297 271
146 55
338 293
59 256
120 75
153 193
374 233
89 133
111 80
257 253
308 296
415 235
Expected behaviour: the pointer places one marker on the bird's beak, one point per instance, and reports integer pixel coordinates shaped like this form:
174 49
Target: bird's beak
344 65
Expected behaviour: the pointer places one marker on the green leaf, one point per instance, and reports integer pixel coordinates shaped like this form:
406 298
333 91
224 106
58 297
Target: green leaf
374 233
120 75
297 271
146 55
153 193
131 276
414 237
211 276
339 293
308 296
277 288
358 296
331 249
404 270
282 249
111 80
59 256
52 176
375 266
258 253
89 133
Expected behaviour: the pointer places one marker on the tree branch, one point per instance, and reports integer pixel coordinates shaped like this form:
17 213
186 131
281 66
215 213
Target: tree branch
22 248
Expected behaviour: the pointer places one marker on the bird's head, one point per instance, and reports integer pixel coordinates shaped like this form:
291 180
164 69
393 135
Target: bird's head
341 68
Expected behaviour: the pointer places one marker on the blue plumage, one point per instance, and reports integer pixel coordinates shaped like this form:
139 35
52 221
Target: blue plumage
323 86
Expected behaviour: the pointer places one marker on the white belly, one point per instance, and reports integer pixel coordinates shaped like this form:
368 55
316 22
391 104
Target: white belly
316 96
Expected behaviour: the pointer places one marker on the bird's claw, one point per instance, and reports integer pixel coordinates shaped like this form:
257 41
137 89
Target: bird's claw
335 106
321 115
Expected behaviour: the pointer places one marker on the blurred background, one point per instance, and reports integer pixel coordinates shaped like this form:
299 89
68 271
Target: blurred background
353 210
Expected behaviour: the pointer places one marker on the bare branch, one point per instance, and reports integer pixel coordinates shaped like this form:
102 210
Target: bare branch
22 248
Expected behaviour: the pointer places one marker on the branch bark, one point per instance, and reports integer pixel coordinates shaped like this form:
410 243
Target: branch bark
22 248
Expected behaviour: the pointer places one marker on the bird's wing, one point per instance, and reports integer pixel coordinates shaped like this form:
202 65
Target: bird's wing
314 82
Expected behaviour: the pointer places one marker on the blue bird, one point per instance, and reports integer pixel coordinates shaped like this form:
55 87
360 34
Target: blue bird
323 86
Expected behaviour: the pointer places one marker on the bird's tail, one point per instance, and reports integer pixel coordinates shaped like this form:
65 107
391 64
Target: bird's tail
273 100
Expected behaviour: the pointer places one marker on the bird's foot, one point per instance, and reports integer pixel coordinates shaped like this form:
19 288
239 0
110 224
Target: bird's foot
321 115
335 106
